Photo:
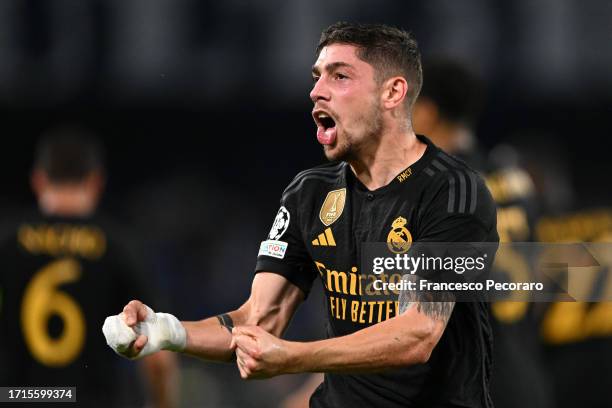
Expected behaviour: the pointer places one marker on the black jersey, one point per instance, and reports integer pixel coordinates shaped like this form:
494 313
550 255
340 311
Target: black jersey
60 279
577 336
518 354
326 215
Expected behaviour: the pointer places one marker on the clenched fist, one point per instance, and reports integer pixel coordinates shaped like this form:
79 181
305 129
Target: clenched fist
259 354
138 331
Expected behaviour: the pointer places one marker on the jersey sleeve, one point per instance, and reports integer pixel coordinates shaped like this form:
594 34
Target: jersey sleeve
459 213
283 251
459 223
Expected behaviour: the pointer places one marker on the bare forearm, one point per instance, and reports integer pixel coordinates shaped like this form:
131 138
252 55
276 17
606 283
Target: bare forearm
272 302
386 345
404 340
209 340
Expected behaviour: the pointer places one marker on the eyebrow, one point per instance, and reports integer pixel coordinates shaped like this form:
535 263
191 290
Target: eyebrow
332 66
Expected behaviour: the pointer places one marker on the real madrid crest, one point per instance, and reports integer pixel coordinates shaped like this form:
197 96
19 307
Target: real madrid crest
399 238
332 207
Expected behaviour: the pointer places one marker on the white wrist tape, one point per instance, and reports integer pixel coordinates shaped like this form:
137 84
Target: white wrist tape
118 335
163 331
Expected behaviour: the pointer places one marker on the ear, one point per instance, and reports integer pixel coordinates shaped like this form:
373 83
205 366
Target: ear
394 92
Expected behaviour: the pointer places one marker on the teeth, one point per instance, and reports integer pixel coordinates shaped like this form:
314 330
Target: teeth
323 116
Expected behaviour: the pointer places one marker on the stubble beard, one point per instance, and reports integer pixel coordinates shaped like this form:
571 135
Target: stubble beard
349 145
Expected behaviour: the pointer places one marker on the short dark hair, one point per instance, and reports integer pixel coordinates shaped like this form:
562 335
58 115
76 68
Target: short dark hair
69 154
390 50
457 92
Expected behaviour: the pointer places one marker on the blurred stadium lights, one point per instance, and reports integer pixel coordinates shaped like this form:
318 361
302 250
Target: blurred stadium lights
210 52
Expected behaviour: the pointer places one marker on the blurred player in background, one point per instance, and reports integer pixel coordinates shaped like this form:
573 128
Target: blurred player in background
578 335
447 110
64 269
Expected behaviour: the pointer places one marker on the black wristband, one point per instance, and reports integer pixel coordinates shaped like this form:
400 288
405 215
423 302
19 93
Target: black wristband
226 321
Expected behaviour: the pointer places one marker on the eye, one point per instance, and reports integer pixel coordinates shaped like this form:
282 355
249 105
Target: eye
339 75
315 78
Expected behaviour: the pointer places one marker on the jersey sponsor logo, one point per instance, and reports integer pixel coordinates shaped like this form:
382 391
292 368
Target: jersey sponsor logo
353 296
399 238
281 223
326 238
273 248
332 207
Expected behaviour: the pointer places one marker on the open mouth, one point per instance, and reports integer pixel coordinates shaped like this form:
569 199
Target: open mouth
326 121
326 127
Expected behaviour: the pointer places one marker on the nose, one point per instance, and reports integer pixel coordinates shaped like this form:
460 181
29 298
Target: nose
319 91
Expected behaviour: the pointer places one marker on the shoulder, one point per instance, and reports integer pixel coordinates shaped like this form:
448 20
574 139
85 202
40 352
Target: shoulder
456 186
312 179
456 205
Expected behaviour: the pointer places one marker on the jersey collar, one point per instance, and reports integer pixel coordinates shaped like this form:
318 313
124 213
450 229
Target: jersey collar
405 176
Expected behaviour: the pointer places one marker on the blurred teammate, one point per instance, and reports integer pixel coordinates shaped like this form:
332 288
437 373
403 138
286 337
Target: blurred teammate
64 270
578 335
385 184
447 110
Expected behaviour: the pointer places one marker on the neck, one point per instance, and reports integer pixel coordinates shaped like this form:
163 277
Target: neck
376 167
67 202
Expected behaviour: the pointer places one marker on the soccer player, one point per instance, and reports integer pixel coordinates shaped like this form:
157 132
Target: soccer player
385 184
64 270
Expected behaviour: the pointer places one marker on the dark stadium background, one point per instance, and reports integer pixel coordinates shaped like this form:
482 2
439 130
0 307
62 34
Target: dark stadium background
203 107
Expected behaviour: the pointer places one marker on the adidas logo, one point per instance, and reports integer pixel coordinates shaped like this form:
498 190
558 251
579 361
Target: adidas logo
325 239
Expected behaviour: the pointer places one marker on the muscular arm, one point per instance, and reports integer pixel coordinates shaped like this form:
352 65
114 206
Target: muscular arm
271 305
406 339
